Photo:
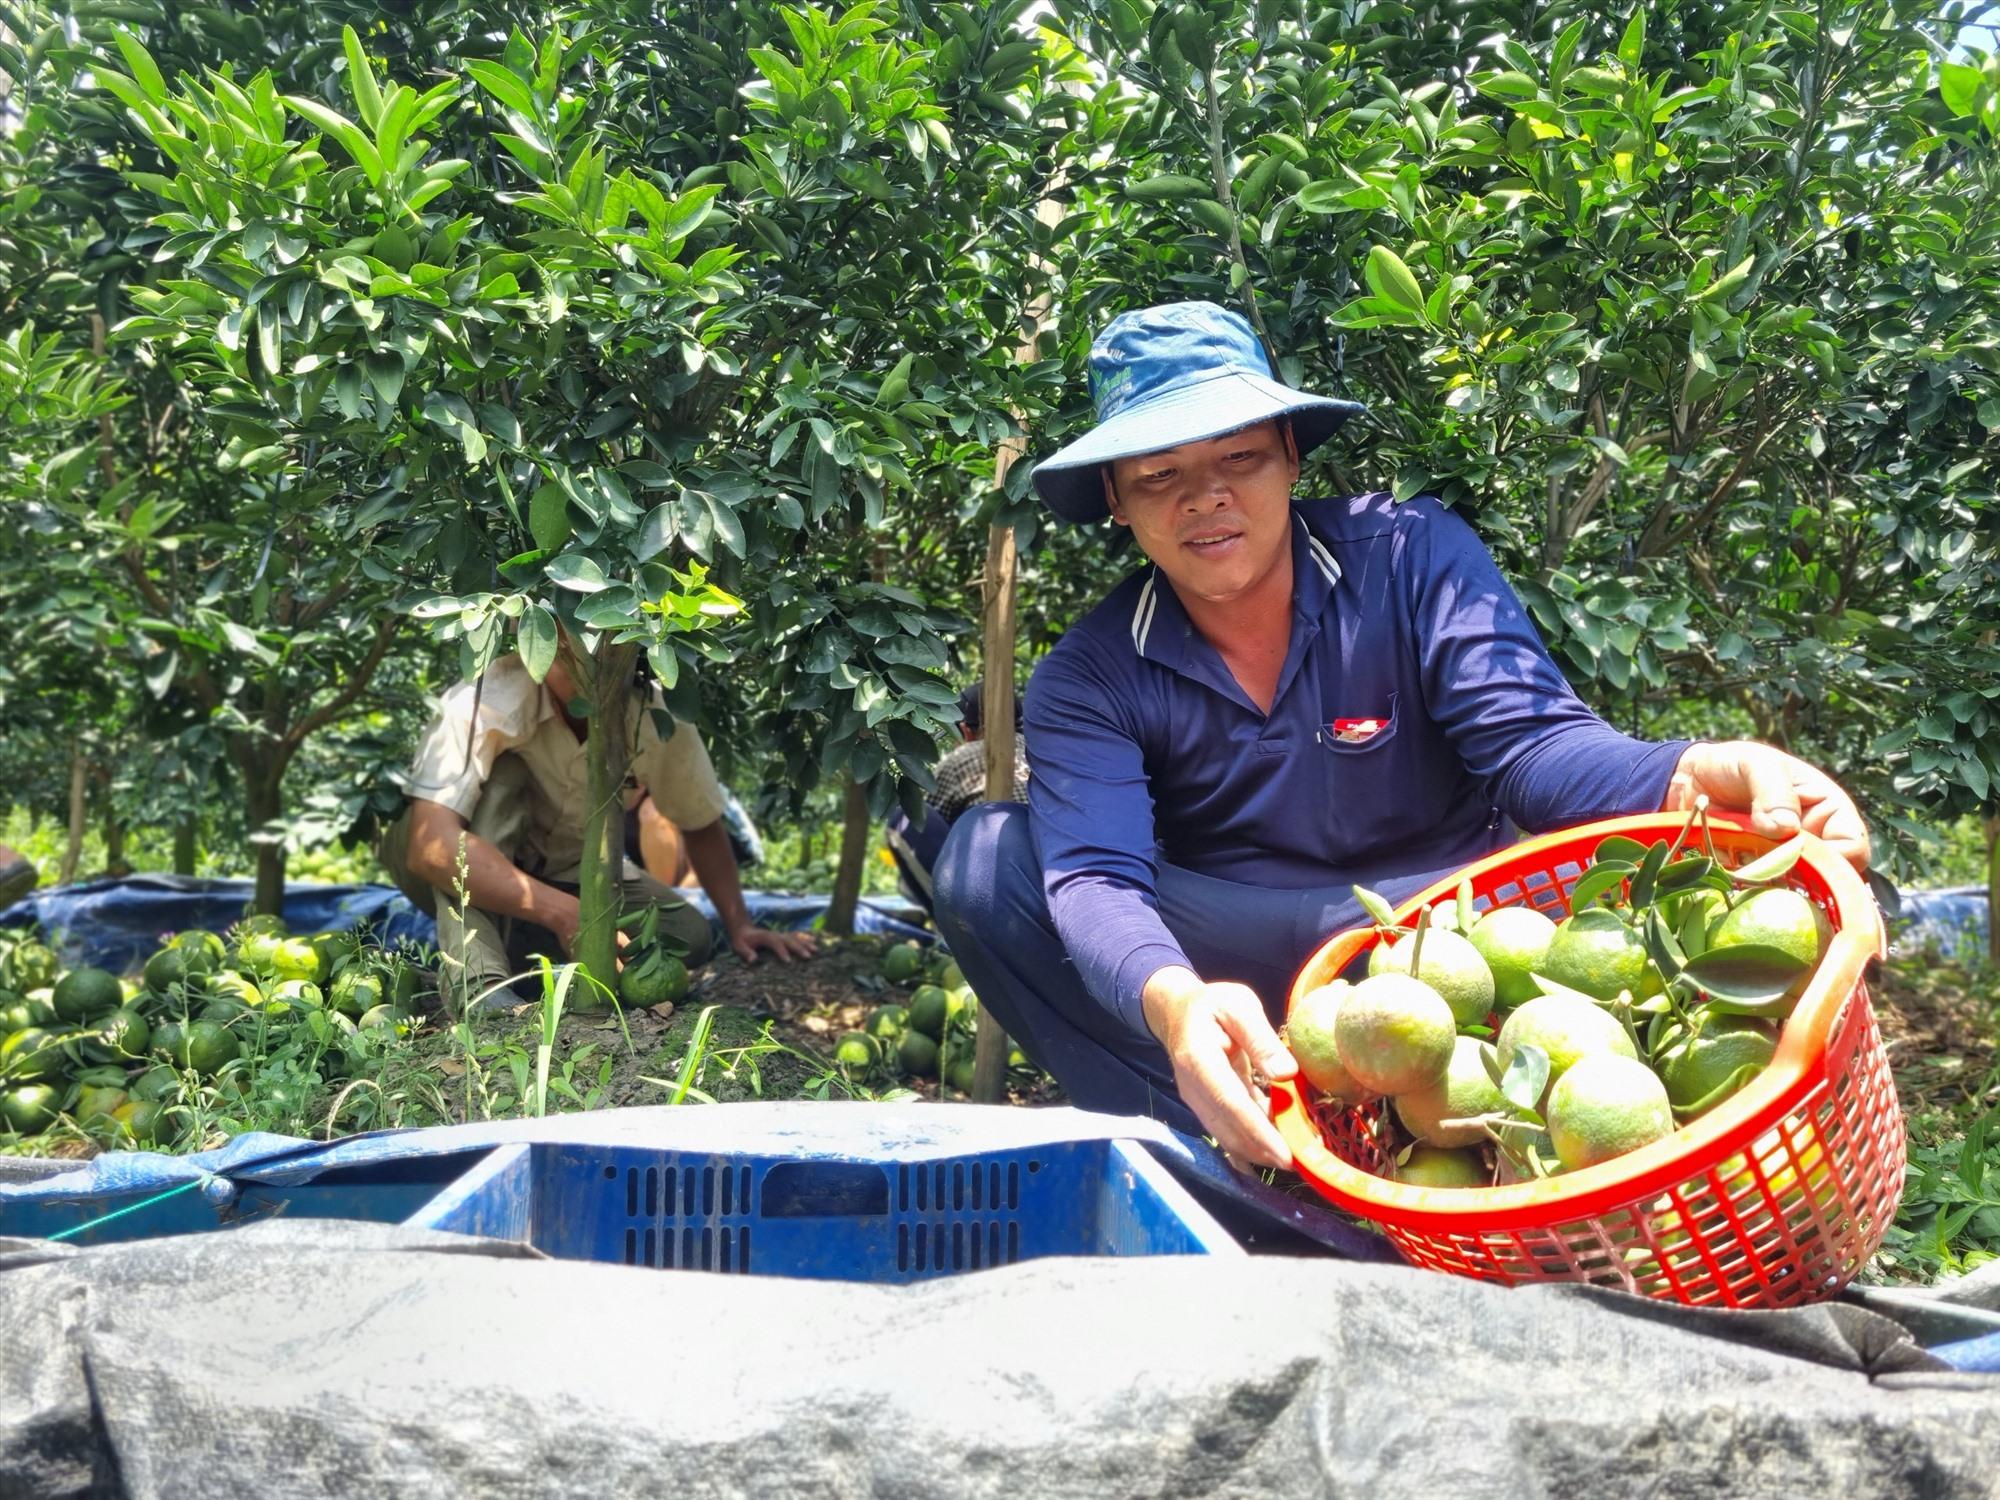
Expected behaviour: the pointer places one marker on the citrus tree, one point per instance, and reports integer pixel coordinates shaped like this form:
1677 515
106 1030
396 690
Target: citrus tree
576 339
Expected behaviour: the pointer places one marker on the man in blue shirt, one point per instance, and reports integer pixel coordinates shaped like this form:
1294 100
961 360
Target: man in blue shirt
1291 699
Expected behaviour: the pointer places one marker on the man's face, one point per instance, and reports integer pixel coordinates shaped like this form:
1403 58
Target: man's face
1215 516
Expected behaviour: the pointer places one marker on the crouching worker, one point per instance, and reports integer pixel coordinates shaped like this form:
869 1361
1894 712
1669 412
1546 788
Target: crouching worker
1288 699
501 773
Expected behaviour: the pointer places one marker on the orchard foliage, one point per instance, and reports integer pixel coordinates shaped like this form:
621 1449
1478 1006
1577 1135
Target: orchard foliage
690 336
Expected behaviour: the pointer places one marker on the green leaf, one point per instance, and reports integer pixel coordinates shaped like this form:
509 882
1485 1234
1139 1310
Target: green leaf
506 86
1958 86
538 640
1774 865
548 517
1632 45
145 72
1620 847
1378 909
1745 973
361 81
1729 281
385 373
580 575
1526 1076
342 129
1649 873
1605 875
1388 277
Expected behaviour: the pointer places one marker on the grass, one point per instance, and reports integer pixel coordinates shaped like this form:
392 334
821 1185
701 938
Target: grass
1947 1068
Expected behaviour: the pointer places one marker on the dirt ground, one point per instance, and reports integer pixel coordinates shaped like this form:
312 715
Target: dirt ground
771 1034
1942 1031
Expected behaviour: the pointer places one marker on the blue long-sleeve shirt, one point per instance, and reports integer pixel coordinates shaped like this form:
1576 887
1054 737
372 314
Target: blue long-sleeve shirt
1416 707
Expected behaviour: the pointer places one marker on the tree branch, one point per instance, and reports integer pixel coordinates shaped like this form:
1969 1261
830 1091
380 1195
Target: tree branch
356 685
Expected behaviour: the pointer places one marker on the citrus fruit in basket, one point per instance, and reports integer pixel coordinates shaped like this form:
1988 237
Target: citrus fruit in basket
1775 918
1566 1029
1596 953
1449 964
1438 1167
1394 1034
1605 1106
1514 941
1465 1091
1703 1070
1309 1034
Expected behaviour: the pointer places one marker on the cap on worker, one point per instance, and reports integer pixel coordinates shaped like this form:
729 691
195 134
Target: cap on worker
1182 372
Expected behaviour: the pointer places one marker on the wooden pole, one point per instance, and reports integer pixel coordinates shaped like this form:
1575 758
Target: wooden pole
989 1056
996 707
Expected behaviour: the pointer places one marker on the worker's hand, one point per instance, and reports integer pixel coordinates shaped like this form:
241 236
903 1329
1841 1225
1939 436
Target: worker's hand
749 941
569 923
1781 793
1219 1041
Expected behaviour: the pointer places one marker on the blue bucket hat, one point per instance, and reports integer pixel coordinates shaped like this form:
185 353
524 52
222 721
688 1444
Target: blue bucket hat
1180 373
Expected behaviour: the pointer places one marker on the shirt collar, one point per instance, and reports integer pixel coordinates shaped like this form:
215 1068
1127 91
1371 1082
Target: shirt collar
1161 630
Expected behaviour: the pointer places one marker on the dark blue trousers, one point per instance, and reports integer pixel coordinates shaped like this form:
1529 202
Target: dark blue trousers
991 910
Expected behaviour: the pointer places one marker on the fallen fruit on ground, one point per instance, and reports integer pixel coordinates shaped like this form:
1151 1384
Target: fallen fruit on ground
856 1052
930 1007
1605 1106
902 963
30 1108
85 994
1394 1034
1466 1091
918 1055
1449 964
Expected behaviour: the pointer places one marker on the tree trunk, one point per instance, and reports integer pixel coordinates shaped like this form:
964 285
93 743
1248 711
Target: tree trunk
79 773
855 828
264 802
1993 890
989 1058
114 841
608 752
184 846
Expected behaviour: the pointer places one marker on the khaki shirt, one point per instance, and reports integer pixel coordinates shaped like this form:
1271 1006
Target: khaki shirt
517 713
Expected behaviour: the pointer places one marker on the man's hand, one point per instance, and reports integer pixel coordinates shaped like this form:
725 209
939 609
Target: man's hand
1781 793
567 923
1219 1040
749 941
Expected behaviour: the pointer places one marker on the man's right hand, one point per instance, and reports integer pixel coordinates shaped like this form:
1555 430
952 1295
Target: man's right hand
1219 1039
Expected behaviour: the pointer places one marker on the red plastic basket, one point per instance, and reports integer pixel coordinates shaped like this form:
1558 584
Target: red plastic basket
1775 1197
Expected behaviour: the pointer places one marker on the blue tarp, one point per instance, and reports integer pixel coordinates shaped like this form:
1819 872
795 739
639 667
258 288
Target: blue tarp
115 924
1952 924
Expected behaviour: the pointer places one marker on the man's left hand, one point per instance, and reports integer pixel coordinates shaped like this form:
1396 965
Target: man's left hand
786 946
1780 792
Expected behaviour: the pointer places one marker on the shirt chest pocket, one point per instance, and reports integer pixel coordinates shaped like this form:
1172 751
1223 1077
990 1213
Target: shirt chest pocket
1367 784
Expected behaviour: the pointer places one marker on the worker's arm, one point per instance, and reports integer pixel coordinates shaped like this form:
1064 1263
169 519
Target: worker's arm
493 882
714 865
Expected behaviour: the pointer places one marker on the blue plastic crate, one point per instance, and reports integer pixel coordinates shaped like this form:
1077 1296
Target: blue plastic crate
872 1193
848 1219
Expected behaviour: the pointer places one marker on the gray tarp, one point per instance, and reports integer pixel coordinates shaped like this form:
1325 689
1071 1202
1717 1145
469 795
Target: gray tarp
300 1358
